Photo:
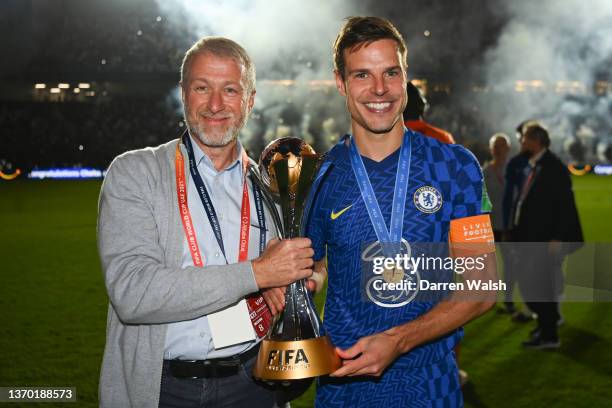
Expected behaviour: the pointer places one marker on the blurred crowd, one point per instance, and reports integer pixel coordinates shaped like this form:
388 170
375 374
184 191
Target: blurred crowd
41 135
90 134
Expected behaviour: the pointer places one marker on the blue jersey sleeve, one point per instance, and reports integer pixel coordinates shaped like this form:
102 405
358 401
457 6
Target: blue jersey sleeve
469 193
316 222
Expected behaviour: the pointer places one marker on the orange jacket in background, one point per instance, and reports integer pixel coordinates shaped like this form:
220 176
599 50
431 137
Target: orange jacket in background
429 130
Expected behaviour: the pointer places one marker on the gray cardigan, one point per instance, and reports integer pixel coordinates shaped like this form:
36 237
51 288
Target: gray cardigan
140 241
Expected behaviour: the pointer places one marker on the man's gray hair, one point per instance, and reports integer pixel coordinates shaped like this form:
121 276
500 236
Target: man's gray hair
497 136
221 47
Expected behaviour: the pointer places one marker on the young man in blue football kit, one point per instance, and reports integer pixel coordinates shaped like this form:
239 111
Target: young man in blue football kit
387 184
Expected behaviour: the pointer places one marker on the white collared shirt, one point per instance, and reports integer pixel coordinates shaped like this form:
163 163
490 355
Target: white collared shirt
535 158
192 339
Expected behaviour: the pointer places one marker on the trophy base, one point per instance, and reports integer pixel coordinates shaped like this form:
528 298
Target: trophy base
293 360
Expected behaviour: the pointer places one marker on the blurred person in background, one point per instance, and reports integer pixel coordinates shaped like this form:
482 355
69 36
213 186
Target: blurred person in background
514 176
544 215
513 180
413 116
494 175
495 180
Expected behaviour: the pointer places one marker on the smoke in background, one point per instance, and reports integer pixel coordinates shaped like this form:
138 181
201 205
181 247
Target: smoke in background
462 43
547 50
288 41
292 40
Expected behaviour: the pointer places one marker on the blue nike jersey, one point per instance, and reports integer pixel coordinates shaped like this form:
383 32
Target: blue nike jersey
338 225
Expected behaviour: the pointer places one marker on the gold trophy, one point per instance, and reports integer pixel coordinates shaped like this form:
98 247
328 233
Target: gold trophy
296 347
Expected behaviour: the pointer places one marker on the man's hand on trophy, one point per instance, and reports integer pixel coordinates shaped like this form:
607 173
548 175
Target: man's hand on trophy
371 355
275 298
316 282
283 262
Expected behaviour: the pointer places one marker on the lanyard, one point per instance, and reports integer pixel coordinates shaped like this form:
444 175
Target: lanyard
394 233
259 313
261 218
245 211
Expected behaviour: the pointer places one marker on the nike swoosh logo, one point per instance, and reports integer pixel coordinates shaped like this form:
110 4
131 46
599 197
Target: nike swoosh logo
335 215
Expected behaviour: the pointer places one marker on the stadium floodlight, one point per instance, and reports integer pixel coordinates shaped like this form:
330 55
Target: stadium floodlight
63 86
84 85
76 90
55 90
40 86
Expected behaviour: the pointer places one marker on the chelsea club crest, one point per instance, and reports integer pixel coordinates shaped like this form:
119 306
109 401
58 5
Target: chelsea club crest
427 199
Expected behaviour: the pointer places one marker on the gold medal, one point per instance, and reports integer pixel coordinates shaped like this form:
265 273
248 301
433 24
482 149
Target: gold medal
395 274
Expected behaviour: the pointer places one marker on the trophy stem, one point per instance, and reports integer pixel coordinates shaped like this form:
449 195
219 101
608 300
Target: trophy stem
299 320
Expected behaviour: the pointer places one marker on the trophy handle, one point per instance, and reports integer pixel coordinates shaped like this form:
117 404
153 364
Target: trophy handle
268 200
309 164
281 169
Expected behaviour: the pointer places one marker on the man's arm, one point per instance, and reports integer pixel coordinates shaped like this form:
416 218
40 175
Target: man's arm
316 282
275 297
568 227
142 287
371 355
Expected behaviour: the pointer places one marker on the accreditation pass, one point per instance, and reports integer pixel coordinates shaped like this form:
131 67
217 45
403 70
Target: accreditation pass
240 330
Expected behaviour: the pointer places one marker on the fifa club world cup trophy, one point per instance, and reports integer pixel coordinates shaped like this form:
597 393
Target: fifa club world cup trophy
296 347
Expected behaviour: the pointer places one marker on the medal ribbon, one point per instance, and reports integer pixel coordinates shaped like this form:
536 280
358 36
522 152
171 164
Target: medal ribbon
392 235
259 312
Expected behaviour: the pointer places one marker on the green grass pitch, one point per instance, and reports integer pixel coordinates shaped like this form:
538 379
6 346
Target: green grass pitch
53 309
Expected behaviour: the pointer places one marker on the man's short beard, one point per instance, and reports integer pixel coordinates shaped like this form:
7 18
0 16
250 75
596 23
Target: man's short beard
230 135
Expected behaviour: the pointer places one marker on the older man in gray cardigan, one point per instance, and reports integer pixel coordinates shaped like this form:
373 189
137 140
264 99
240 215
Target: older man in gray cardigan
182 239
